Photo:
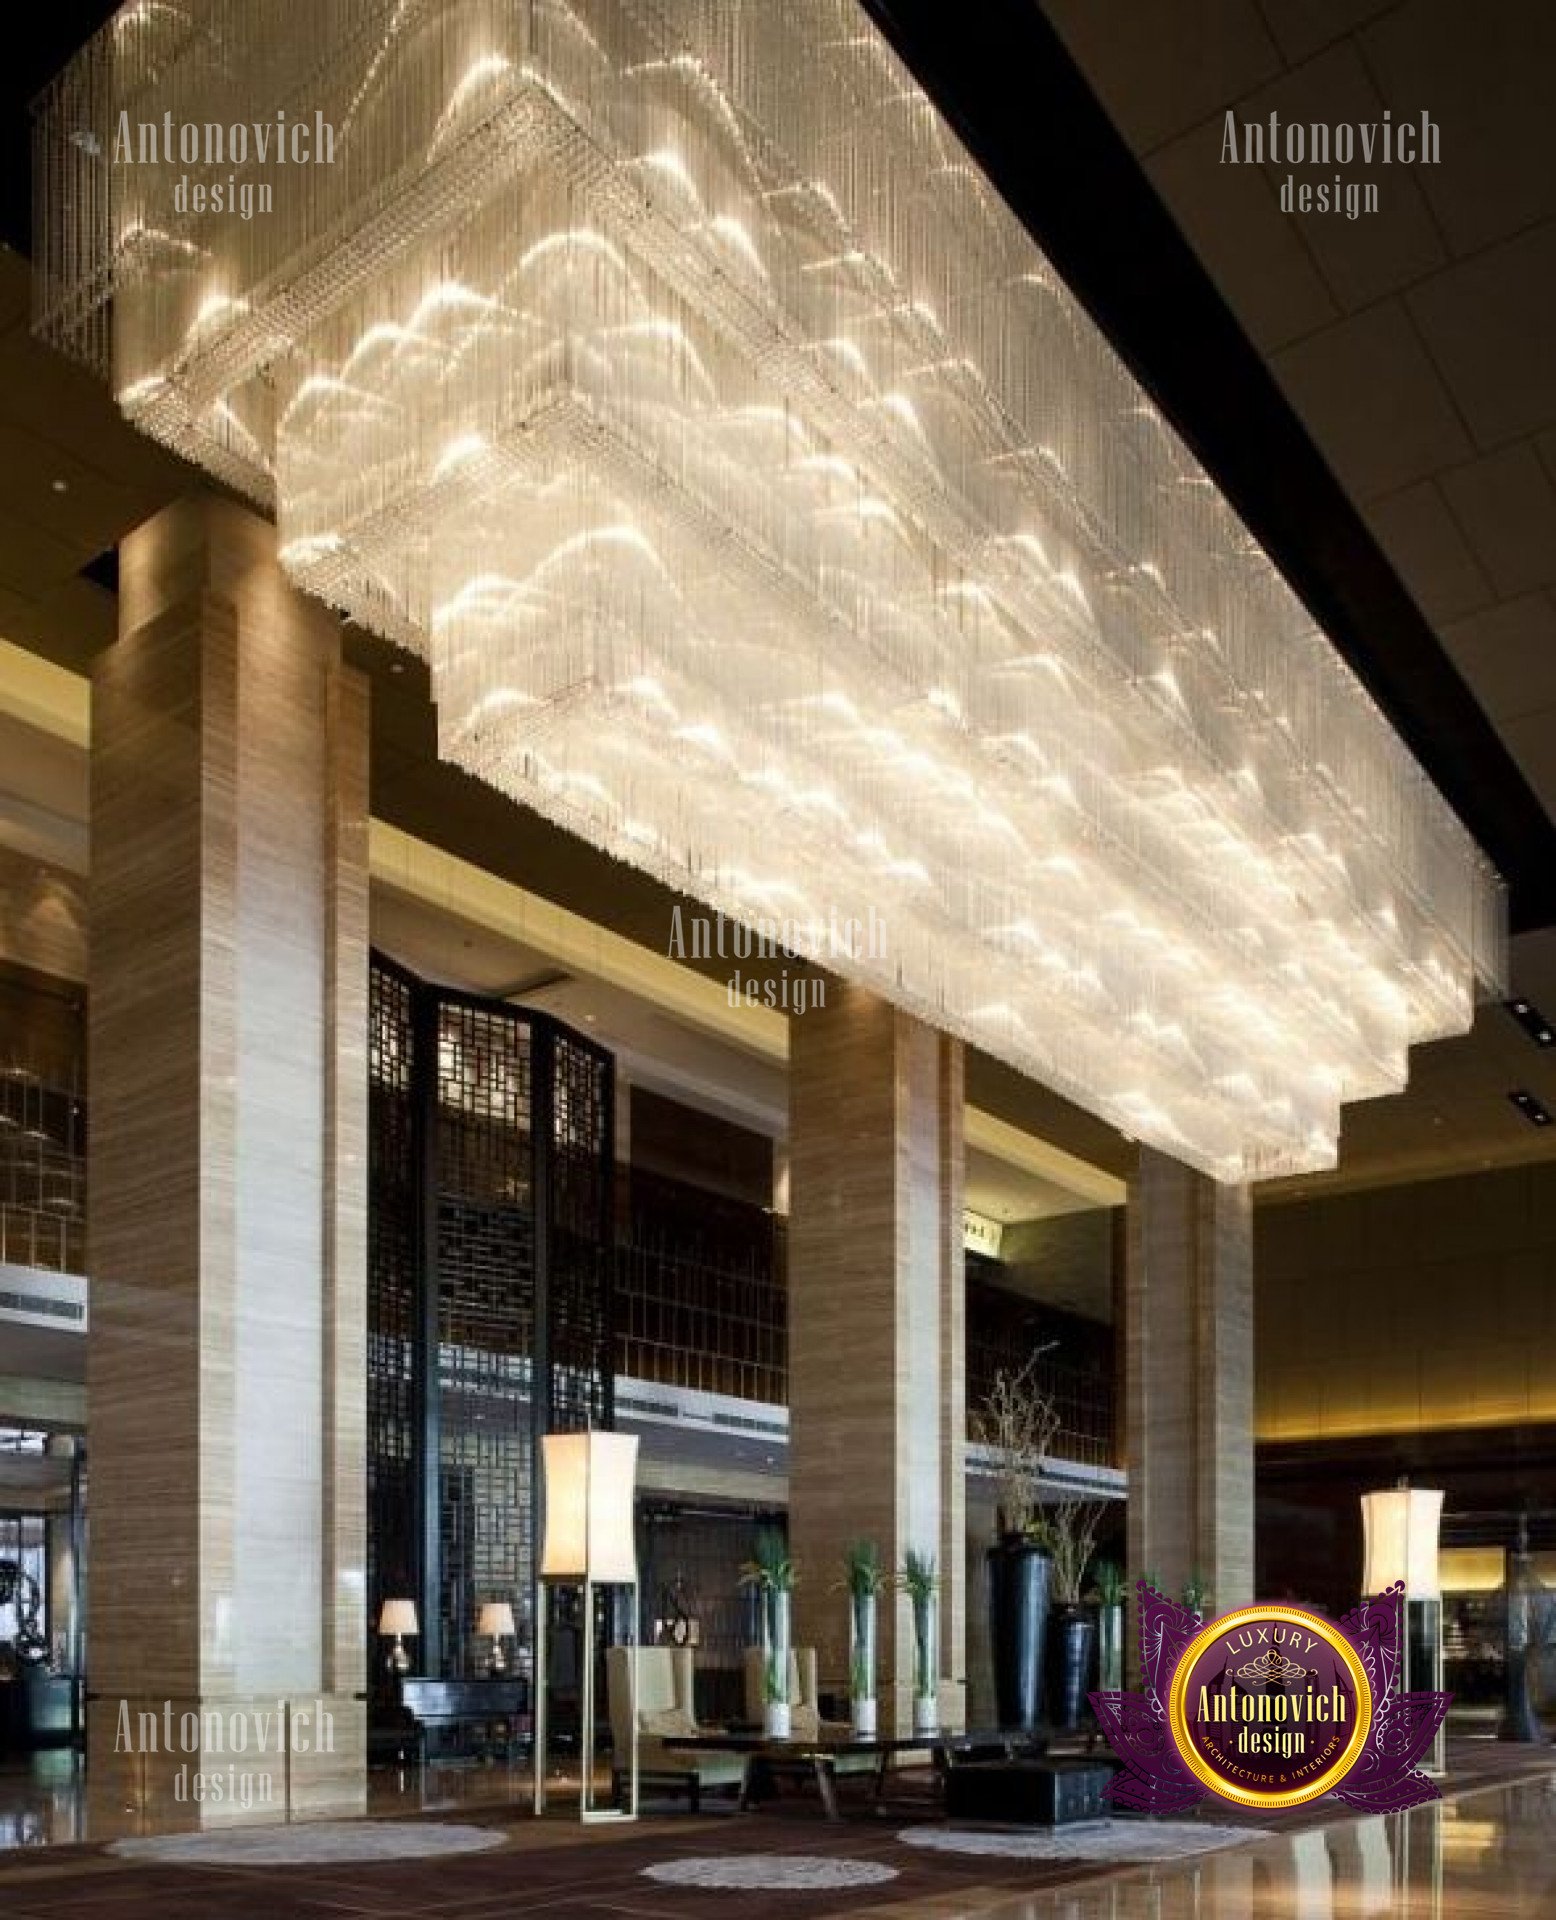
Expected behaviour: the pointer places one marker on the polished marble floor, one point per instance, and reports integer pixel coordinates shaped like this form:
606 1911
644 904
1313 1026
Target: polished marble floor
1489 1855
1487 1852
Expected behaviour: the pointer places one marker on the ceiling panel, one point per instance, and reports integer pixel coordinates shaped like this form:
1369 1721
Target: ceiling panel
1509 652
1488 323
1169 64
1370 395
1484 74
1427 545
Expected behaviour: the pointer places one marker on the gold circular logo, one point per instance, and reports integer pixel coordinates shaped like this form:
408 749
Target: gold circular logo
1270 1706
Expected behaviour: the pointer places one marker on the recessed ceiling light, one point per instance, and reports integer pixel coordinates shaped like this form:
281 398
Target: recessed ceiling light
60 486
1533 1022
1533 1110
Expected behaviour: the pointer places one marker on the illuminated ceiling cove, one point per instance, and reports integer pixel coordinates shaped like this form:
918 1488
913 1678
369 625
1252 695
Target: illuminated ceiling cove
770 515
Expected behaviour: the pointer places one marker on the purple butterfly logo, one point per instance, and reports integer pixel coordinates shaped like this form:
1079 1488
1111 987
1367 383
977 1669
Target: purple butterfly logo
1385 1776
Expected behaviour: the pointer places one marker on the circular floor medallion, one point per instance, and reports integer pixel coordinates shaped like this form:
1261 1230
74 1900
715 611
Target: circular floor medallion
770 1873
1086 1840
321 1843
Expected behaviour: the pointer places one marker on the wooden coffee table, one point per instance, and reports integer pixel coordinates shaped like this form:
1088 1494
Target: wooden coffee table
818 1758
802 1758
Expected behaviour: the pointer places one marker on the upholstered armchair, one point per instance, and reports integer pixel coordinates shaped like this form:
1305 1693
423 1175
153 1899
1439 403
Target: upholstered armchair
663 1706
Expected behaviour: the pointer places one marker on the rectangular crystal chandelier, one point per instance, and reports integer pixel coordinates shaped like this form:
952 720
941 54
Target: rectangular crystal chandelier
770 515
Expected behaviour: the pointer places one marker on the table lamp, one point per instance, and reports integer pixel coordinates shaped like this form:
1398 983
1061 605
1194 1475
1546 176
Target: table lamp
496 1623
397 1619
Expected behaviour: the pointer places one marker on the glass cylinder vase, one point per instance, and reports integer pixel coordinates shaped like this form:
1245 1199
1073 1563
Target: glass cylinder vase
861 1662
1110 1647
926 1661
775 1665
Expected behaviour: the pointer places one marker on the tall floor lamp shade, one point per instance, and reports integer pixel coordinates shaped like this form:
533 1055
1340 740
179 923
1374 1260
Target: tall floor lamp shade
589 1481
1400 1534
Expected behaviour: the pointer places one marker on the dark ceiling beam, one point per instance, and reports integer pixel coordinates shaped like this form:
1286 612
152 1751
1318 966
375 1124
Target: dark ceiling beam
1001 75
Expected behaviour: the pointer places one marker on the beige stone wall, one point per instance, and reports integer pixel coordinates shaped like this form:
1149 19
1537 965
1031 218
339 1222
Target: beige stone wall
1188 1380
227 1154
877 1404
1408 1309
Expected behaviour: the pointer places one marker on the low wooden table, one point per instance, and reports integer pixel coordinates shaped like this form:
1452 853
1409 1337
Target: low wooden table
817 1758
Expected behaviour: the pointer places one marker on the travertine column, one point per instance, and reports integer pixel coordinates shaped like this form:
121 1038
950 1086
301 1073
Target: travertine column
228 1193
1188 1380
877 1386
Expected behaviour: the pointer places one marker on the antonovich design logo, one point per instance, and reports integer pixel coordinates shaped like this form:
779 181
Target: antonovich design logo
1270 1706
1260 1727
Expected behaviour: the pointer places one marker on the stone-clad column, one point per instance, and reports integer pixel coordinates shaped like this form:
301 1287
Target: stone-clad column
1188 1380
877 1445
226 1356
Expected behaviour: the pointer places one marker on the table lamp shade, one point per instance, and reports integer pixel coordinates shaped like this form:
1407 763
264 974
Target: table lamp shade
1400 1532
590 1479
398 1616
495 1619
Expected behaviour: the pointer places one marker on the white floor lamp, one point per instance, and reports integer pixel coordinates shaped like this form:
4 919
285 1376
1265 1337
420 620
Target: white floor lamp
1400 1528
588 1481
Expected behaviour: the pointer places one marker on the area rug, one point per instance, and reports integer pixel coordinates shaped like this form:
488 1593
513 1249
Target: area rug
1085 1840
770 1873
321 1843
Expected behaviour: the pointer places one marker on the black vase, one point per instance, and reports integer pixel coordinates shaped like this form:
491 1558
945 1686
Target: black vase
1018 1630
1074 1636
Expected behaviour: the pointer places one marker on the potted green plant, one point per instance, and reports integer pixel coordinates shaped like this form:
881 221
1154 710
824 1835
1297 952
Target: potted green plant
921 1583
1108 1584
865 1579
1073 1631
1017 1423
771 1572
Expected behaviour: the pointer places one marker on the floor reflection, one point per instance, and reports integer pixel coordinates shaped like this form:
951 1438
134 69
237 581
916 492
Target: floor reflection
1490 1855
41 1800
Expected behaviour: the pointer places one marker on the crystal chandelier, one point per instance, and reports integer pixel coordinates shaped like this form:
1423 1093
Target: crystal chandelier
770 515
